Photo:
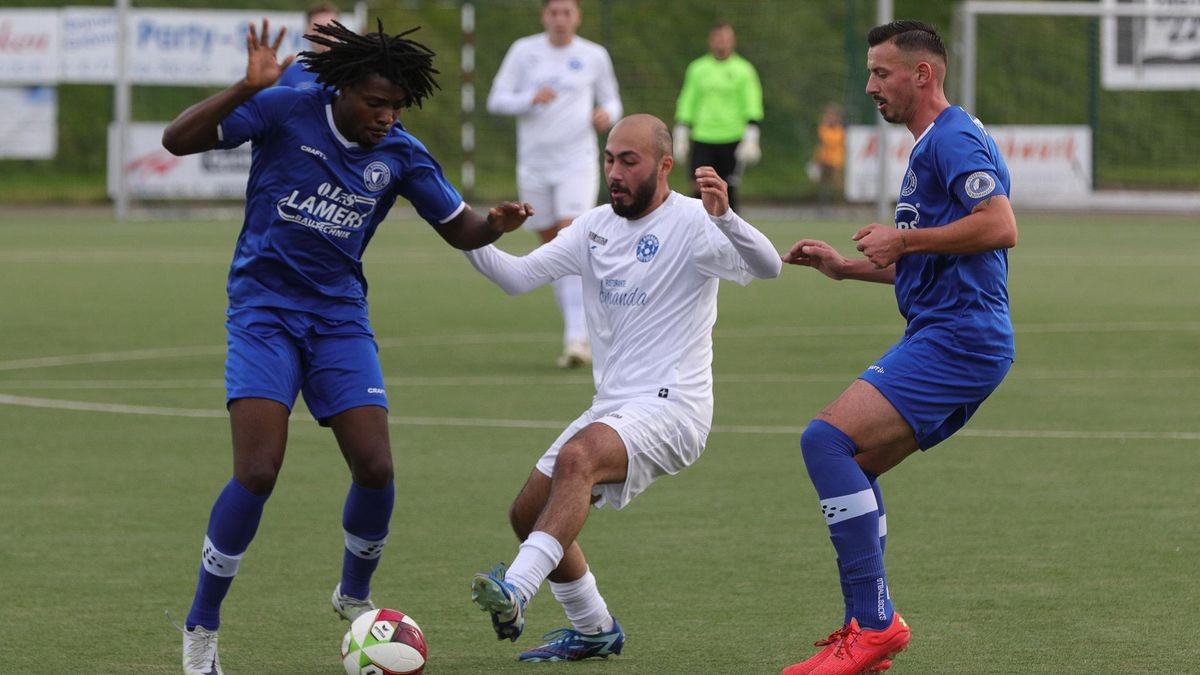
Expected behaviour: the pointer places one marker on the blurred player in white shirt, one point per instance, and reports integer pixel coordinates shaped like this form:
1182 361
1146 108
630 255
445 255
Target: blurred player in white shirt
650 265
562 90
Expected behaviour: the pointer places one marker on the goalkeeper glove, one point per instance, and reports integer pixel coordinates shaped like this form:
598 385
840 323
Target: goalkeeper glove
679 143
748 152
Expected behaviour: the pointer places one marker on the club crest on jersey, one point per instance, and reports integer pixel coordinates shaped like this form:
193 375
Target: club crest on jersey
575 64
907 216
910 184
980 184
377 176
647 246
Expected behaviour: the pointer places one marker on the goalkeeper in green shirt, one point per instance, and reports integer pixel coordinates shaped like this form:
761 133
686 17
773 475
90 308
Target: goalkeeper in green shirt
719 108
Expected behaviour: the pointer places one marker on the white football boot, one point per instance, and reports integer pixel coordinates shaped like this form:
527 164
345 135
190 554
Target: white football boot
350 608
200 652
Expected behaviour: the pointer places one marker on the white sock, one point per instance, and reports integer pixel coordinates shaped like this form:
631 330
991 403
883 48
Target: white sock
568 291
585 608
536 559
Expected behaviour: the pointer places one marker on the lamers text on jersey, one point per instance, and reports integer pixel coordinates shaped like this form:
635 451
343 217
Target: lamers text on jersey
332 210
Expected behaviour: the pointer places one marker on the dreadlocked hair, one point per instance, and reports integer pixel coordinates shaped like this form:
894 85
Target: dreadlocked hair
352 58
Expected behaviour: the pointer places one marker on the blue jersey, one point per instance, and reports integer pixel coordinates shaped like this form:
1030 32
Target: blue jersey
314 200
954 165
297 76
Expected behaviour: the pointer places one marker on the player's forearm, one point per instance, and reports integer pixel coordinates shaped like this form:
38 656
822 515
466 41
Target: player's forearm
991 226
468 230
753 246
195 129
861 269
501 102
512 274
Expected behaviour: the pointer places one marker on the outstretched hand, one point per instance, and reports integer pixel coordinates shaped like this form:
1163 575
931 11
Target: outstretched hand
818 255
262 66
714 191
508 216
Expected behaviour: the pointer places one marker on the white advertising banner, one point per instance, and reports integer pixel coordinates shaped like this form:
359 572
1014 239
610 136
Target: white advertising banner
1046 163
154 173
1156 52
29 46
29 125
168 46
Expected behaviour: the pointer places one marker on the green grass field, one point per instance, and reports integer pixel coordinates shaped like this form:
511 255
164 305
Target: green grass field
1056 534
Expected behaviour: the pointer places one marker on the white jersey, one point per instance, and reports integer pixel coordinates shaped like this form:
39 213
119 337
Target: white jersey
650 292
560 132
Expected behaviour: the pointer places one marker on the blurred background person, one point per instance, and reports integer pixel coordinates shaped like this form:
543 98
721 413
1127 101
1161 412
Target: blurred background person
297 74
827 168
718 112
562 90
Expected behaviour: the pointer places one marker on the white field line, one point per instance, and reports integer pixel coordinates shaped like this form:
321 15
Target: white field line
111 357
460 422
522 338
580 380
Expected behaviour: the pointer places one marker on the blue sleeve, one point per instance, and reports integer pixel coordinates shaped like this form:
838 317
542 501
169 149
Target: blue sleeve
426 188
971 172
256 117
297 75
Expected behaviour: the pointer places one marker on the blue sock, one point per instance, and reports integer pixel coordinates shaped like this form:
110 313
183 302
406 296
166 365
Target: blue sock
882 513
365 522
847 598
849 507
231 526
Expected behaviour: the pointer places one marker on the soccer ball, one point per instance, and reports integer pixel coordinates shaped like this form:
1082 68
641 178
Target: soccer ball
384 642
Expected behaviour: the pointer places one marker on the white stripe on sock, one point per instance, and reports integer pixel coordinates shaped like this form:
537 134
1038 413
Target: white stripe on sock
363 548
217 563
838 509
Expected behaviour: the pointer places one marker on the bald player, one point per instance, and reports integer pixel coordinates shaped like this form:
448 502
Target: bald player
650 263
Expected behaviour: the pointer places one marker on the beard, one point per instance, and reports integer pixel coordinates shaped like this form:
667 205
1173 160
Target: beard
640 197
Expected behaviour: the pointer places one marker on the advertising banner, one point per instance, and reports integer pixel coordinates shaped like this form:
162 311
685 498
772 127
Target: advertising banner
29 125
1046 163
29 46
154 173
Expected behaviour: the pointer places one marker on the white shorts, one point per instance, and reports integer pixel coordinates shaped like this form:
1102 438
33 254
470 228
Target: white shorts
560 194
660 438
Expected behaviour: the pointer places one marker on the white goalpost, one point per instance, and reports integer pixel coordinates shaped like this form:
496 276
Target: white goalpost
1144 46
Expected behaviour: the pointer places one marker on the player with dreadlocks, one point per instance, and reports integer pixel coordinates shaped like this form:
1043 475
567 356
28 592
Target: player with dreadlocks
327 165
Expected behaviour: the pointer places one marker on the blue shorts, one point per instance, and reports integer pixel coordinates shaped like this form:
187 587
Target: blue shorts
934 386
275 354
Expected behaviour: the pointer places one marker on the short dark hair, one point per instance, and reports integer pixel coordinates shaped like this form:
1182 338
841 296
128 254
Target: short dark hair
909 36
352 58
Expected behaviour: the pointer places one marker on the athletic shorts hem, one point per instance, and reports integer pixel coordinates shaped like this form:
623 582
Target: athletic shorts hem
323 417
258 393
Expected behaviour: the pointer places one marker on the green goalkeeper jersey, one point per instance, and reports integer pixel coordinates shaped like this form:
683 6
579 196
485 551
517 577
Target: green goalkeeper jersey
719 98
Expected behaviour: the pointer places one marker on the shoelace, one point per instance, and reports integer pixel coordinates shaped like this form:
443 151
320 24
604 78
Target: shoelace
847 640
833 637
199 645
560 636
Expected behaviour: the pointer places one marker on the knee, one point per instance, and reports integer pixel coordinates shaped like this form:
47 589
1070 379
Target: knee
573 463
822 441
374 469
258 476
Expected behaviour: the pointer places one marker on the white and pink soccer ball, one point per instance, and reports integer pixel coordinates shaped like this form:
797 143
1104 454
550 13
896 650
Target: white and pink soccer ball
384 642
